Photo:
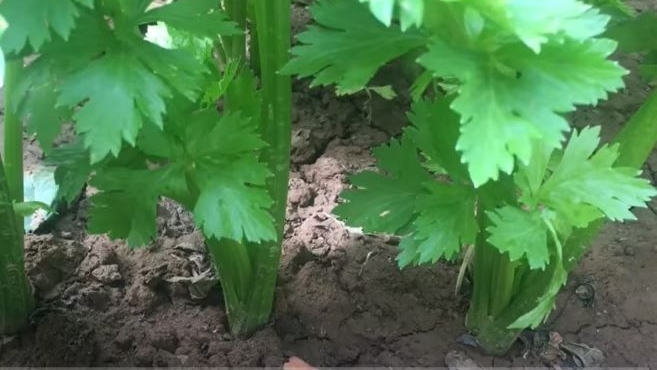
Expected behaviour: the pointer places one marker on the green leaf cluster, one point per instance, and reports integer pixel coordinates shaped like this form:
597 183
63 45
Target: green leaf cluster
518 65
144 115
437 215
96 69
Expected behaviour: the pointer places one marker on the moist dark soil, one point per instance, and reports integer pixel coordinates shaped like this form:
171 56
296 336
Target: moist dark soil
341 300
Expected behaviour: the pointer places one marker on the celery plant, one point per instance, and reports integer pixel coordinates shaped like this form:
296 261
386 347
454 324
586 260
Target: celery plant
144 108
489 161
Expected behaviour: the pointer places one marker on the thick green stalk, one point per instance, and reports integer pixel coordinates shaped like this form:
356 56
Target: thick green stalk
235 273
248 272
272 18
502 282
638 137
16 299
493 287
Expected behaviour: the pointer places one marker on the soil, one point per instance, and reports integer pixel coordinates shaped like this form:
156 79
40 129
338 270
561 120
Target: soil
341 300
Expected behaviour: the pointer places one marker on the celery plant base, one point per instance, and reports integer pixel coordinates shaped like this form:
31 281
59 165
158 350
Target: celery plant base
16 300
493 338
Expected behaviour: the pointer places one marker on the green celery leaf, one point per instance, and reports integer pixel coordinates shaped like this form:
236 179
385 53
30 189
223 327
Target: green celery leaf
134 7
536 22
233 202
126 205
530 177
411 12
36 98
446 222
523 234
617 9
242 93
584 185
435 131
200 17
201 48
73 169
632 35
546 302
119 92
649 72
26 209
348 46
178 68
386 92
33 21
153 141
511 97
221 136
91 37
386 202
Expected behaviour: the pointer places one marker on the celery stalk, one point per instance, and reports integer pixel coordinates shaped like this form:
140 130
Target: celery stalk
16 299
248 272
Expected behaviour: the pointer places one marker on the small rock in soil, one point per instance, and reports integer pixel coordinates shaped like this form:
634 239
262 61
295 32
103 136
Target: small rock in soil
320 235
107 274
299 193
457 360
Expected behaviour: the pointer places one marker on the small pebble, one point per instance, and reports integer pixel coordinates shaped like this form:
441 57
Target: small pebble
107 274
